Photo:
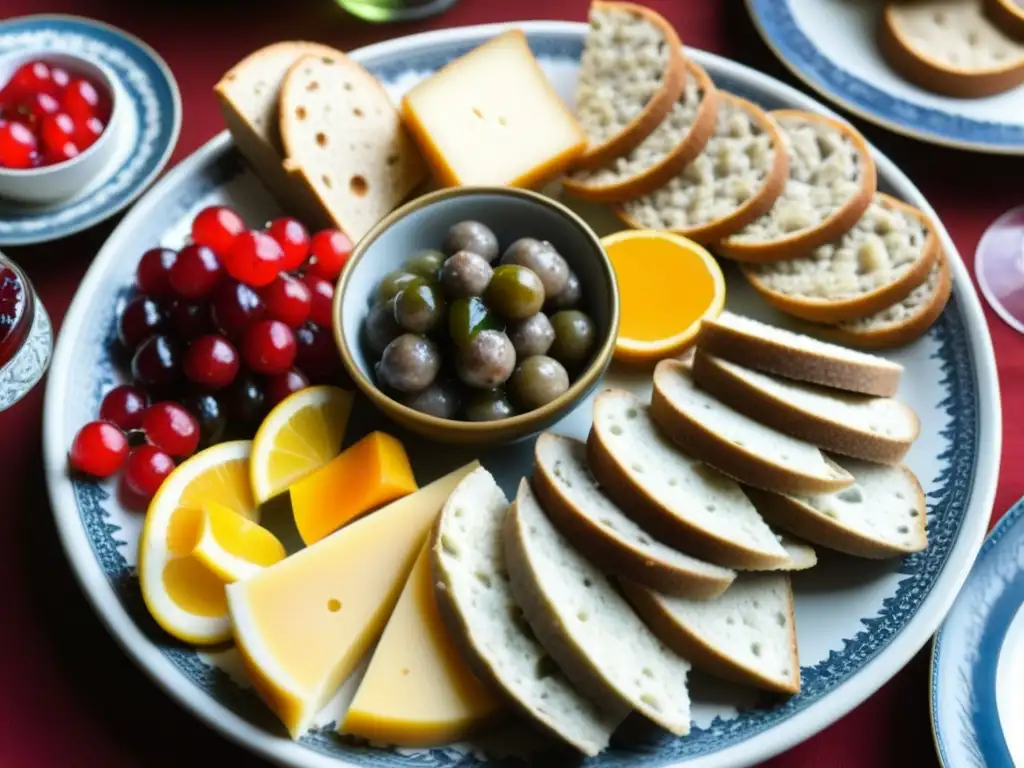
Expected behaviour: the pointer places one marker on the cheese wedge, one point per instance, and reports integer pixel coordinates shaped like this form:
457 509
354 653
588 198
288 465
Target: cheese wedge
302 625
417 691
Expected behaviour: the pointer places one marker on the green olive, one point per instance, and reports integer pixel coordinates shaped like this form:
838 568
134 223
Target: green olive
440 400
515 292
467 317
575 336
570 296
409 364
393 282
540 257
487 405
425 264
471 236
486 361
537 381
419 307
380 327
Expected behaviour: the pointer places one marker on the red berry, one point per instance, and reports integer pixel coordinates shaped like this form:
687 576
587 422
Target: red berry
60 78
255 259
33 76
217 227
141 318
58 130
87 131
99 449
171 428
288 299
195 272
125 406
321 310
211 361
151 276
189 319
317 353
157 362
146 470
269 347
234 307
18 145
293 239
65 152
81 100
330 250
35 107
282 385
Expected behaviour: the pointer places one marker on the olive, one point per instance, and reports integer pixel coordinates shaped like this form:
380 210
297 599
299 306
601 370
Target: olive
486 361
515 292
380 327
542 258
467 317
574 337
532 336
438 400
537 381
425 264
410 363
465 274
471 236
570 296
487 405
393 282
419 307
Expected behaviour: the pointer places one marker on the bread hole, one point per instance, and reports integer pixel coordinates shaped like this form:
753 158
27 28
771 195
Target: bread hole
583 616
616 430
644 541
502 122
449 546
347 85
914 513
333 605
328 60
899 495
973 38
747 621
588 583
544 696
648 672
756 604
313 85
300 113
873 427
405 671
483 578
606 522
730 620
358 185
785 672
940 18
321 139
999 54
460 511
478 113
707 406
637 468
326 178
710 507
357 111
307 71
391 159
650 700
755 648
546 667
780 619
258 90
672 482
851 495
632 413
903 529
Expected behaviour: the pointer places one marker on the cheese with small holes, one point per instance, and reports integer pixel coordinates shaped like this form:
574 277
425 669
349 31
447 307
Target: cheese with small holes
303 624
417 691
492 117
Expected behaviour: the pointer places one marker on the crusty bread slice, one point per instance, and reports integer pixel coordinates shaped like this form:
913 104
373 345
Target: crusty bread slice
876 429
608 537
771 349
587 626
683 502
747 635
882 515
631 73
344 138
733 182
802 556
471 583
680 137
887 254
831 182
734 443
950 47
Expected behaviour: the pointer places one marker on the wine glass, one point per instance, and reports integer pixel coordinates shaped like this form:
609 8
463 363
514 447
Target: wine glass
26 337
999 266
395 10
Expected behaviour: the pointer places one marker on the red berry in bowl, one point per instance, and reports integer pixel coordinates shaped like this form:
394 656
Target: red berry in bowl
189 319
269 347
317 354
87 131
58 130
141 318
145 471
36 107
288 299
33 77
157 362
153 273
217 227
63 153
171 428
255 259
234 307
81 100
211 361
18 145
293 238
60 79
195 272
99 449
125 406
281 385
322 310
330 250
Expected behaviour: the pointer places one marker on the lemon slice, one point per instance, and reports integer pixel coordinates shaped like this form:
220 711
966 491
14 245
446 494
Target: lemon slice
185 597
302 433
233 547
667 285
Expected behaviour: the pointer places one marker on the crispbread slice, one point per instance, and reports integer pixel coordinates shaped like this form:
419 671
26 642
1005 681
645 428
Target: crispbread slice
483 619
587 627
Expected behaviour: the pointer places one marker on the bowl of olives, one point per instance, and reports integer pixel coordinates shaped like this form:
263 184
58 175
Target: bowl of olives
477 315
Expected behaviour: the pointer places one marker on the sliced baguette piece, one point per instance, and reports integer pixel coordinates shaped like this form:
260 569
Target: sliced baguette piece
747 635
878 429
882 515
683 502
802 556
575 503
733 182
771 349
589 629
632 71
831 182
677 140
484 621
734 443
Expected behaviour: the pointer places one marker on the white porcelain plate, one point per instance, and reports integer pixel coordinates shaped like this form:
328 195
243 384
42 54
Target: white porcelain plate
858 621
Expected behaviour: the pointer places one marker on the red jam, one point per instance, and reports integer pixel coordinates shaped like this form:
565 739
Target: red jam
16 310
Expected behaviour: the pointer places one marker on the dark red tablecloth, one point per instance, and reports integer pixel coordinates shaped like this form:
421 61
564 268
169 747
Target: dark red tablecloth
69 697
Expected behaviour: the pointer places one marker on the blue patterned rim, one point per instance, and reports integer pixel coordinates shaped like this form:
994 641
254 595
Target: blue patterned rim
153 95
778 27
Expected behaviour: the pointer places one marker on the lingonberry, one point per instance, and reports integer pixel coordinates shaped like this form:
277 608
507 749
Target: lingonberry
125 406
234 307
269 347
329 250
293 238
255 258
81 100
321 310
151 276
86 132
171 428
211 361
217 227
18 145
145 471
288 299
99 449
195 272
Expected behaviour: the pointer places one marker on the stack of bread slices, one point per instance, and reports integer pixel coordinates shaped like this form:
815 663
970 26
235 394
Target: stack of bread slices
790 195
662 543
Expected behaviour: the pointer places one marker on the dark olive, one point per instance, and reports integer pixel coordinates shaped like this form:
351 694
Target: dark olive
211 415
515 292
486 361
465 274
438 400
575 336
393 282
380 327
532 336
570 296
467 317
487 405
425 264
410 363
471 236
537 381
419 307
540 257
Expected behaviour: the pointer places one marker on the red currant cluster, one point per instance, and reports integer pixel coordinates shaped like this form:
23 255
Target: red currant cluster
219 332
48 115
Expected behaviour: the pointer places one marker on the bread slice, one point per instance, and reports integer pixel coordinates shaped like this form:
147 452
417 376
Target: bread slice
683 502
831 182
631 73
771 349
882 515
802 556
677 140
876 429
608 537
345 140
471 583
733 182
587 626
1008 15
903 322
950 47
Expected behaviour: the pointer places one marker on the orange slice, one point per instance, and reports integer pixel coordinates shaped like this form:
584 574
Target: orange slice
233 547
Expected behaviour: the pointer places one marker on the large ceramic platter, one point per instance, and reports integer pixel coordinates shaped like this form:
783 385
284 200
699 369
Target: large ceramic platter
830 45
859 622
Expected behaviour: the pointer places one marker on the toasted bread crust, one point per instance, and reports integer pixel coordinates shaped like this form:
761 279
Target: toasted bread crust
1006 15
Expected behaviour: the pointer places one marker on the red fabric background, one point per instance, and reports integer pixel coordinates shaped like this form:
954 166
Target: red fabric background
69 697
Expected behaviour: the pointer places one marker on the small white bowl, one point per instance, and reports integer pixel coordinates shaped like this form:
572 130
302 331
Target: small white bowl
51 183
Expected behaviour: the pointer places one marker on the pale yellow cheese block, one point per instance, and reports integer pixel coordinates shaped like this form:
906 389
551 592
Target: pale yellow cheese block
303 624
417 691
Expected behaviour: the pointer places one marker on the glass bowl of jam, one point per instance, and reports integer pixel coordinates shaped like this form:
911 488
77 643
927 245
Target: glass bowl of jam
26 336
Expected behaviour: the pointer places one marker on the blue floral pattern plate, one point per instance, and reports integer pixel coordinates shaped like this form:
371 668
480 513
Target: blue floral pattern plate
858 621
